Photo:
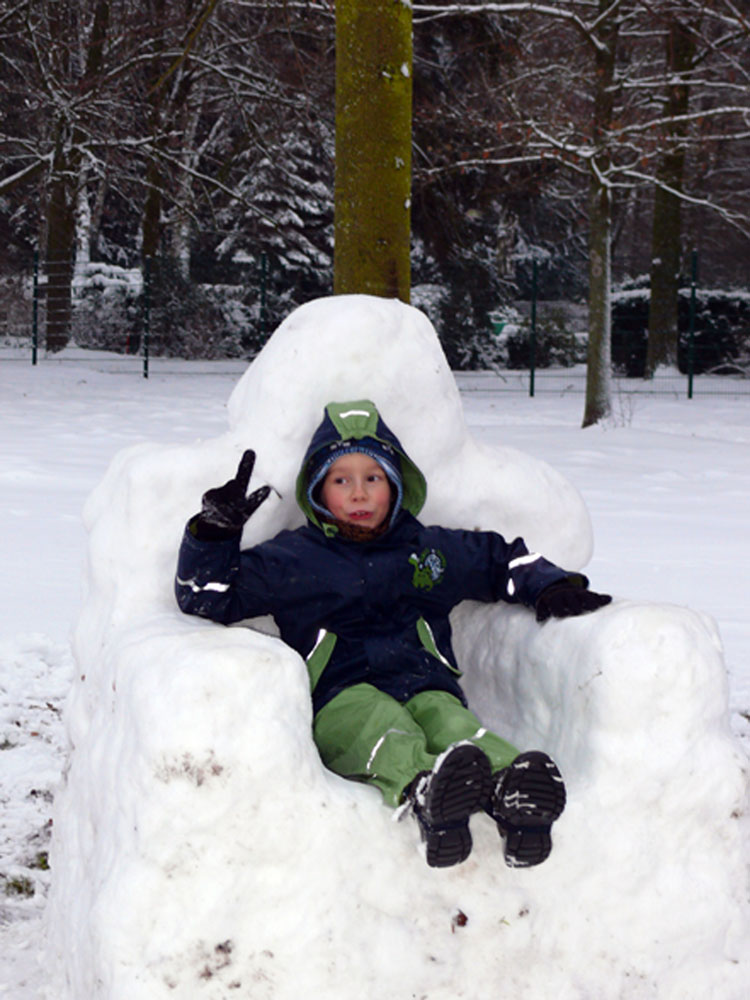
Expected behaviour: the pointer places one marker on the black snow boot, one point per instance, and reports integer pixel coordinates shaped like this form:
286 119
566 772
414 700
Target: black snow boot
527 797
443 800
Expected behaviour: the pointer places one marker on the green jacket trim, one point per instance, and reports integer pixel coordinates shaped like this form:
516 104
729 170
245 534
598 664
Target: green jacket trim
428 642
318 657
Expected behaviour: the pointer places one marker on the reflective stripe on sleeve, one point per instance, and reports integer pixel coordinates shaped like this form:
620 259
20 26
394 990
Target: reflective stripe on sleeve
212 585
530 557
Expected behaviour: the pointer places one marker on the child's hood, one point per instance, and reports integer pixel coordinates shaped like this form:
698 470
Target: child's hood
353 421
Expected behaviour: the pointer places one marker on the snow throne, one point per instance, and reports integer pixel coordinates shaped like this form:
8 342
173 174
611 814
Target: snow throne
202 850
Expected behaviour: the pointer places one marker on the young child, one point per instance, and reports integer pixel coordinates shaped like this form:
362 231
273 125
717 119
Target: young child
363 592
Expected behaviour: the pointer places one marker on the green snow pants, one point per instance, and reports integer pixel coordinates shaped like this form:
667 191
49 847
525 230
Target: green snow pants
366 735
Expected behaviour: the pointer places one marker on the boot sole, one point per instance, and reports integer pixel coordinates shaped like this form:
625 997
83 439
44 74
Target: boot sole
529 800
460 784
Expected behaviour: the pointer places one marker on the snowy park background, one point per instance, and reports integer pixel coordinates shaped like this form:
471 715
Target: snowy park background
666 482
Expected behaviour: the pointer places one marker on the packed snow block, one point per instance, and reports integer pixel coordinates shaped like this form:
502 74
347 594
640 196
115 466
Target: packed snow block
633 704
200 848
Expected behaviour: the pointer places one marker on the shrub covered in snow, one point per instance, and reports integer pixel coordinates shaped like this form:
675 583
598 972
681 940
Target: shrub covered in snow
555 343
107 307
112 309
721 333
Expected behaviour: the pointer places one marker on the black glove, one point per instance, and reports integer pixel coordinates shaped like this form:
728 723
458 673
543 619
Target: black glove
226 508
565 600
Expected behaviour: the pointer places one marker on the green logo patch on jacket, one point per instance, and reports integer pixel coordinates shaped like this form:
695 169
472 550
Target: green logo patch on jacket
429 568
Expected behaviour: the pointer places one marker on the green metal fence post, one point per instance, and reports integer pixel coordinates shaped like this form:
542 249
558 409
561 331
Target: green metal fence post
35 310
691 334
146 313
532 338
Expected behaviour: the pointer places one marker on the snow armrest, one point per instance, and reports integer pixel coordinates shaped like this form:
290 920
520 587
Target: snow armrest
621 697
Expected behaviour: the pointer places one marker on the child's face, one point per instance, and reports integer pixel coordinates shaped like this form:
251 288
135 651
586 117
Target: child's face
356 490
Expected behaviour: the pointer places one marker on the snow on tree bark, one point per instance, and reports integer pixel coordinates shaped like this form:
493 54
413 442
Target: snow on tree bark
598 368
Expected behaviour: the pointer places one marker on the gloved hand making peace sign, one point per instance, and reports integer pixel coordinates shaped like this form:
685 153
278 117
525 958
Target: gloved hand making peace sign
226 508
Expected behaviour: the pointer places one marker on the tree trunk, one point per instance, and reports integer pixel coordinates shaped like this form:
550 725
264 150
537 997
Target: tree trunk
599 358
151 220
598 369
65 196
179 228
372 217
152 210
663 329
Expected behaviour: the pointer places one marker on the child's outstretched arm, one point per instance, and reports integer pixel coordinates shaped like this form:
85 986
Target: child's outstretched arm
483 566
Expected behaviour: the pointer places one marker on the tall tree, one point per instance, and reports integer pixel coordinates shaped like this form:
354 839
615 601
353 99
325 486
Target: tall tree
705 63
602 37
372 191
560 114
464 222
665 238
67 170
174 99
60 61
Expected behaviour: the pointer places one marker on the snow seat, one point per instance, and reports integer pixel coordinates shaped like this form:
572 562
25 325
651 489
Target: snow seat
200 848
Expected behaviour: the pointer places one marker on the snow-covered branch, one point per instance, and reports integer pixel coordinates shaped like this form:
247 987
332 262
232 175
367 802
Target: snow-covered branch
7 183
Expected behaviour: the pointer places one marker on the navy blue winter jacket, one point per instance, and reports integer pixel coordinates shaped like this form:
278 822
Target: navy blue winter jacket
374 611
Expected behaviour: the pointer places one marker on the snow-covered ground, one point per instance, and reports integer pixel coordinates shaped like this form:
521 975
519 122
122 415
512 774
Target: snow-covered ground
666 482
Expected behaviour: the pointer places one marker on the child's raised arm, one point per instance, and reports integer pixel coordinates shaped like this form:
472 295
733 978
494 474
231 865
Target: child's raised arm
226 508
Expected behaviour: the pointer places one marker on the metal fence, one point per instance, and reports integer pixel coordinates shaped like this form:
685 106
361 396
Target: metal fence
62 313
572 381
143 320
